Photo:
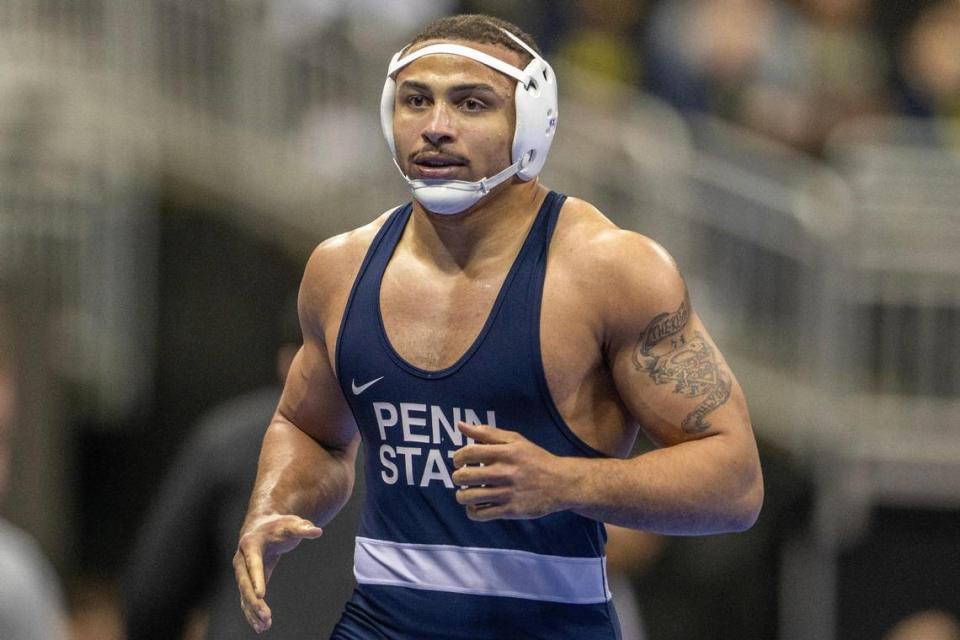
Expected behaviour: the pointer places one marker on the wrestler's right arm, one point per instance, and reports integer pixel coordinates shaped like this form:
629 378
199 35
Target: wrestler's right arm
306 468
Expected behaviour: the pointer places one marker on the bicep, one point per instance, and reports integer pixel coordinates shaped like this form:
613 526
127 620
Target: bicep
674 380
313 401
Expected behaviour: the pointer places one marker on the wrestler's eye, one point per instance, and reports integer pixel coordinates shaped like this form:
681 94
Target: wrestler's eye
470 104
416 101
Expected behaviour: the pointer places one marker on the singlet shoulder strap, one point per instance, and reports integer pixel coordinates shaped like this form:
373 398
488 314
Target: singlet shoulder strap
379 252
553 213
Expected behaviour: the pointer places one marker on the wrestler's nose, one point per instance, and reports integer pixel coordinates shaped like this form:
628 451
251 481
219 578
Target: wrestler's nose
439 128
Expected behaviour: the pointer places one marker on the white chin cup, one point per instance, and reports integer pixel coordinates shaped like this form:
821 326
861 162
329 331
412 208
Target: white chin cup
535 98
449 197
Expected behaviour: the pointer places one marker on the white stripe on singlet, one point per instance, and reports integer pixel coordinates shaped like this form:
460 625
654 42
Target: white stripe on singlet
481 571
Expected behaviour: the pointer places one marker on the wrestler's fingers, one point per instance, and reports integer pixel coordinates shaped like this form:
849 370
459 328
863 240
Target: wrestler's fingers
253 617
253 561
487 511
306 529
474 476
485 434
478 454
250 617
289 532
474 496
255 610
243 578
265 615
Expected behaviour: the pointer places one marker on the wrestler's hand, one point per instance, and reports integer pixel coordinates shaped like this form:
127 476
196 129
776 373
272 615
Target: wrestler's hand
517 479
262 542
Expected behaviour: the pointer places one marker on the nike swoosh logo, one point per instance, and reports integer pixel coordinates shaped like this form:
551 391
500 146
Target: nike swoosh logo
358 390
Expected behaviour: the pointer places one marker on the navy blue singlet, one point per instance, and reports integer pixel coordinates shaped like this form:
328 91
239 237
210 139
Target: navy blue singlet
424 570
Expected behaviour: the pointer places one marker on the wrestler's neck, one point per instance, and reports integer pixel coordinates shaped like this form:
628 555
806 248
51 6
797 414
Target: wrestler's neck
490 231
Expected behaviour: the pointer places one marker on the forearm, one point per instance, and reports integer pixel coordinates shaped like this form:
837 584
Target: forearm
706 486
298 476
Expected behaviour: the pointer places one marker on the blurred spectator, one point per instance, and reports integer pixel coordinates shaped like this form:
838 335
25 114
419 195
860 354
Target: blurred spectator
31 602
602 47
599 54
929 62
366 23
789 71
710 587
721 587
180 579
702 54
546 20
829 66
630 553
94 609
926 625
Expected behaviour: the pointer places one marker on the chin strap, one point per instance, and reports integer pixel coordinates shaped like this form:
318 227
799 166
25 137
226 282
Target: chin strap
454 196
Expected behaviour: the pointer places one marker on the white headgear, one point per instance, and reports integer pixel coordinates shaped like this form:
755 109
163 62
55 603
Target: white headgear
536 106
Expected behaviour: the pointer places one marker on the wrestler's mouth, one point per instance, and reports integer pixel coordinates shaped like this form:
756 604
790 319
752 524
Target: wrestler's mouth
437 165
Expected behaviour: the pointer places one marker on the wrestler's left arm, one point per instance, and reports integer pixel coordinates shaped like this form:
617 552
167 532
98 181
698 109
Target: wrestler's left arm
705 476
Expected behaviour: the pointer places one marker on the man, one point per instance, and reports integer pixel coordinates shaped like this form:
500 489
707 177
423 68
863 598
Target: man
498 346
31 599
180 566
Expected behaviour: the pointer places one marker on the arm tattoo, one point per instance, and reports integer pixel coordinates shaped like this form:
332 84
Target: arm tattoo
686 361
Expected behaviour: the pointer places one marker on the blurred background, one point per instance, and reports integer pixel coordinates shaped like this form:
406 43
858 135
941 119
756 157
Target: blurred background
166 166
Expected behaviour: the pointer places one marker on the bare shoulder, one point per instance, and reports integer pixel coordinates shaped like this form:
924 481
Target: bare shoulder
331 269
627 276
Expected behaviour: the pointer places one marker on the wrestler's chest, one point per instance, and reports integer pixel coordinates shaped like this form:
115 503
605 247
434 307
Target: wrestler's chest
432 323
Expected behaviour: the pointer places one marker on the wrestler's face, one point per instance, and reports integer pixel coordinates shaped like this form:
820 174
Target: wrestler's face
454 117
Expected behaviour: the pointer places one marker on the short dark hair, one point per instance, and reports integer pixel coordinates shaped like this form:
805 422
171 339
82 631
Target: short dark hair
480 28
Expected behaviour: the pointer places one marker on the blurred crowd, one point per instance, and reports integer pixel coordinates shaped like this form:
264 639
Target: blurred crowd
789 70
